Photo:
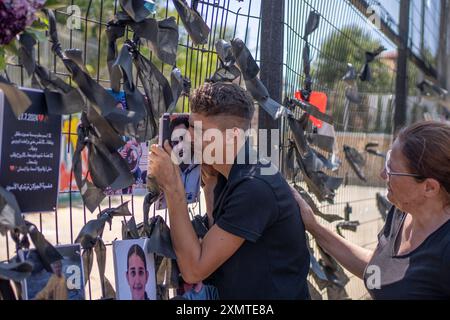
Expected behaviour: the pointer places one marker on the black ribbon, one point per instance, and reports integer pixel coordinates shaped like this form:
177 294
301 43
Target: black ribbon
366 74
135 9
322 185
383 205
346 225
323 142
249 70
157 231
130 230
10 213
309 162
17 99
47 252
333 270
312 110
311 25
106 166
328 217
16 271
146 128
356 161
114 31
181 86
194 24
162 35
125 122
351 75
370 149
200 225
156 86
93 230
228 71
90 239
289 167
61 98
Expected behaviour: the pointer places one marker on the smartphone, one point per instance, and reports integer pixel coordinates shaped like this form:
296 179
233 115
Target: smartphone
170 121
169 126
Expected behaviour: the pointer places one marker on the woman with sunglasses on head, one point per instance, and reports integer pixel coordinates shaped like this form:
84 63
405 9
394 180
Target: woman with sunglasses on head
412 258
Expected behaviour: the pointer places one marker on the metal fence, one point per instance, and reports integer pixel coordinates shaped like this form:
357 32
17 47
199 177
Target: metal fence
344 35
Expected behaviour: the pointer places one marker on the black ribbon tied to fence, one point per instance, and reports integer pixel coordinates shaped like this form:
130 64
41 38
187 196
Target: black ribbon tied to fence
90 238
10 213
105 165
383 205
162 35
61 98
125 122
47 252
194 24
305 195
356 161
366 73
17 99
311 165
369 148
228 72
249 70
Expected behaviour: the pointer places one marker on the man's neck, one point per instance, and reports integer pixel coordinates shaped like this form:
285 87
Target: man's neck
223 169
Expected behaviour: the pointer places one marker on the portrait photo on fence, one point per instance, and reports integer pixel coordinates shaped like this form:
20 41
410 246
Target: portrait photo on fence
134 270
175 129
65 281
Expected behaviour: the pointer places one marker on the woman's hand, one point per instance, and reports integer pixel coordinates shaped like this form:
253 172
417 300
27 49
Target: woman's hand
309 220
162 168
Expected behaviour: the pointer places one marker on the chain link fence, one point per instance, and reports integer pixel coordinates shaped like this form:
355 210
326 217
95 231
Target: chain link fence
344 35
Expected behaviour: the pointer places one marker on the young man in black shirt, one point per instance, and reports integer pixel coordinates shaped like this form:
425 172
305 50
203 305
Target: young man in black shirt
255 247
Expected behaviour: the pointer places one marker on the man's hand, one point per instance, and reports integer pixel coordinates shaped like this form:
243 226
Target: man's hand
162 168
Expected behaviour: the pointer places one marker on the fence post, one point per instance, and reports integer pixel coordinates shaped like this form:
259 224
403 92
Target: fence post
444 45
271 74
401 85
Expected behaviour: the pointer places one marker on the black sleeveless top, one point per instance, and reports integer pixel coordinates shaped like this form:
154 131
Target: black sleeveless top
423 273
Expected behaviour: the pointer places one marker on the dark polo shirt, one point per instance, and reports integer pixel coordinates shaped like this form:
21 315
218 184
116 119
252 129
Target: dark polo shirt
273 261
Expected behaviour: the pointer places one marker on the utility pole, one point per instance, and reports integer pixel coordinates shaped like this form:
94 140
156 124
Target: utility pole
444 45
401 85
271 74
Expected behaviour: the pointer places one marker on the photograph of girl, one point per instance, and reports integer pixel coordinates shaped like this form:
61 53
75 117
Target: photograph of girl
135 271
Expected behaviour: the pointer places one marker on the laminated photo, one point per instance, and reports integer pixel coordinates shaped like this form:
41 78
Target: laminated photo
65 282
134 270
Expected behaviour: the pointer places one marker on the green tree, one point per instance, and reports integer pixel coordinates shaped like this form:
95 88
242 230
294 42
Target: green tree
197 63
348 45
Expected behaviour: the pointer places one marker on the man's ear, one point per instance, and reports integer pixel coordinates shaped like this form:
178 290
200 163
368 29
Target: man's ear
432 188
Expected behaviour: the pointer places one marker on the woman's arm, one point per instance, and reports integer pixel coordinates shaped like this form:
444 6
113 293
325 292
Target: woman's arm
351 256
